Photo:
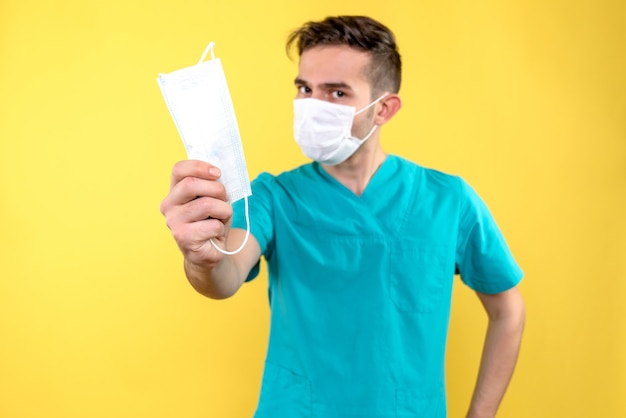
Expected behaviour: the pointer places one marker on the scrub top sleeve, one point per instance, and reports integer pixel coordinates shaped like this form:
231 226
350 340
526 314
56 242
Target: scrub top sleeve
483 257
260 213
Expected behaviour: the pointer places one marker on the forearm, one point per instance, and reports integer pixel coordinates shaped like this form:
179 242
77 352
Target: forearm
500 351
217 282
221 279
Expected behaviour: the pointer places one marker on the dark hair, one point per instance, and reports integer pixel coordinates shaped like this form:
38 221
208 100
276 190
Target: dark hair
361 33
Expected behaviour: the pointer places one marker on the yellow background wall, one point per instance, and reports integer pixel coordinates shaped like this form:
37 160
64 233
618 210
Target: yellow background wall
525 99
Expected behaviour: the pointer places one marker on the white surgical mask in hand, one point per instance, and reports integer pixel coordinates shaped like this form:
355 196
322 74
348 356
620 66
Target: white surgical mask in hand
324 129
199 101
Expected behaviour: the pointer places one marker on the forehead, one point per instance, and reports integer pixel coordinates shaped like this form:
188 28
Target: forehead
334 63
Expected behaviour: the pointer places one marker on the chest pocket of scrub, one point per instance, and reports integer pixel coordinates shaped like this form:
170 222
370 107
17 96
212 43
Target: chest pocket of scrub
418 277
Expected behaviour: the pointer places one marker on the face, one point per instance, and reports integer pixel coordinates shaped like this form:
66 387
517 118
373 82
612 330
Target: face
337 74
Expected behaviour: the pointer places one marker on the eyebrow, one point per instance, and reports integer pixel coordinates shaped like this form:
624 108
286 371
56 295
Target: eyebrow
337 85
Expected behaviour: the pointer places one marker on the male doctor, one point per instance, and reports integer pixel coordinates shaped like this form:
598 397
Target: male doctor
361 246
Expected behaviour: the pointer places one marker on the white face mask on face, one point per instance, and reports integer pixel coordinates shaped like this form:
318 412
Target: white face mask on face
324 129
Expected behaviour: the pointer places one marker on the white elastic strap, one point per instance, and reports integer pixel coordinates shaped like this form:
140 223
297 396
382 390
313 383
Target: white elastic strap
371 104
370 134
245 240
206 51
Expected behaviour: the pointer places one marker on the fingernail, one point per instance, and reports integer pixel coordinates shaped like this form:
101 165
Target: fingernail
215 171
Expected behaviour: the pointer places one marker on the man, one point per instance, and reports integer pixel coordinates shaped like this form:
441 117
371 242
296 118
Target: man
362 248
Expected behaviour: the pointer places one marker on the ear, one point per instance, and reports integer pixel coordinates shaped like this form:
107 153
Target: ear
388 107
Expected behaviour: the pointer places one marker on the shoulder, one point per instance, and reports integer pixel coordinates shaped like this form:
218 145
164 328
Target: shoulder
428 178
266 180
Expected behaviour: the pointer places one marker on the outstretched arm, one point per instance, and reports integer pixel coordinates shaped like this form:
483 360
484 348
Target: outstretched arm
197 212
506 314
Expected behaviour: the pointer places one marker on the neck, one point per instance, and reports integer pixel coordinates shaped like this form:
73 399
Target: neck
356 172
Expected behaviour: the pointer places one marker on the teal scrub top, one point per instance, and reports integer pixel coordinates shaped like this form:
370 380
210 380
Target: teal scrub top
360 287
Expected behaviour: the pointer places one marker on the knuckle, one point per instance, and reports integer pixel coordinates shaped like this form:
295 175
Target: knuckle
188 182
163 207
216 228
177 170
169 222
189 185
222 191
180 235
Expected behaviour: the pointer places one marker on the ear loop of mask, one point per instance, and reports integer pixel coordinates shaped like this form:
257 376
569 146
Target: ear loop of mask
364 109
245 240
208 49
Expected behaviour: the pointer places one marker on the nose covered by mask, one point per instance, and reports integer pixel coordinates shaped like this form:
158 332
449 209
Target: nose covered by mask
324 129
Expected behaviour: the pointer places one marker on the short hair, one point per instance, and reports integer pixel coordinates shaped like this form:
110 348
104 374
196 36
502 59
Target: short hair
361 33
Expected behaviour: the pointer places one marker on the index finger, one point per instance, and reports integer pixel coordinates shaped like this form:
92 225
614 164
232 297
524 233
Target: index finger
194 168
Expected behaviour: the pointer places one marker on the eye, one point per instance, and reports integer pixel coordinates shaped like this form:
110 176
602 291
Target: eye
304 90
338 94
